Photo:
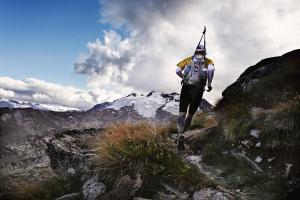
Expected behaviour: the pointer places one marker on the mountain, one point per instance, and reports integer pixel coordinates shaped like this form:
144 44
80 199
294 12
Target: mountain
146 105
6 103
259 115
150 105
247 148
21 119
24 125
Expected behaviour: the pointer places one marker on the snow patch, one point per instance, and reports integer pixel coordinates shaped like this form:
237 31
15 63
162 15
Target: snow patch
146 105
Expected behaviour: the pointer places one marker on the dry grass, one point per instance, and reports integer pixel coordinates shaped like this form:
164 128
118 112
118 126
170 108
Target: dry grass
47 190
289 106
205 119
143 149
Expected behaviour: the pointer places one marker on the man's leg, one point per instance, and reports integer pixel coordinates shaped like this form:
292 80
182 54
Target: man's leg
183 105
196 97
180 122
187 121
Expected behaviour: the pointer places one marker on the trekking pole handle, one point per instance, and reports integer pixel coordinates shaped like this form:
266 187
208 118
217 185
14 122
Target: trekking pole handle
204 30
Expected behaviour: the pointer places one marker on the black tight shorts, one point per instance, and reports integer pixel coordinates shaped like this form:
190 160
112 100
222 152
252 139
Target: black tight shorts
190 96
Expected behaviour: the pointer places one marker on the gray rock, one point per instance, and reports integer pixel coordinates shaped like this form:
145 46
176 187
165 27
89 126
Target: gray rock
140 198
65 155
124 188
255 133
258 144
195 159
23 162
254 165
73 196
204 194
179 195
271 159
162 196
258 159
288 169
92 188
219 196
209 194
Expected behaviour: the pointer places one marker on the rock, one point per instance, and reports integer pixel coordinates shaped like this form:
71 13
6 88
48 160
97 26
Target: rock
219 196
140 198
162 196
5 117
255 133
209 194
288 169
125 188
271 159
26 161
180 195
67 158
73 196
258 159
194 159
245 142
258 144
260 113
92 188
246 158
204 194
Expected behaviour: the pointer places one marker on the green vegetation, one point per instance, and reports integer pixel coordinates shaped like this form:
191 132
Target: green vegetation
236 121
203 120
145 150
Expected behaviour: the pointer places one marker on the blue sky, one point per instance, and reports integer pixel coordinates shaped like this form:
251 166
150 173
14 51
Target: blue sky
43 39
57 53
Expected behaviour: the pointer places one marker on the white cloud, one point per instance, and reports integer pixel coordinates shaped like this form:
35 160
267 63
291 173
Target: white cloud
46 93
161 33
6 93
151 36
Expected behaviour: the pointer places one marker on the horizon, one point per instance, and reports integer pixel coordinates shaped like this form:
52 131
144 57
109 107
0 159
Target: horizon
77 54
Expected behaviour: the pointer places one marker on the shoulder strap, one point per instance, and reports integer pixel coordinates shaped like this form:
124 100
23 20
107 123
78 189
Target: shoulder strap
184 62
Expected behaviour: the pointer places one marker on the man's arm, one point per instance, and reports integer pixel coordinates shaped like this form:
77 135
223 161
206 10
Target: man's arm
179 72
210 76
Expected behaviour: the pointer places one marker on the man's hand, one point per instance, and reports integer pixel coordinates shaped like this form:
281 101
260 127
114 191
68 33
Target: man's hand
209 88
179 74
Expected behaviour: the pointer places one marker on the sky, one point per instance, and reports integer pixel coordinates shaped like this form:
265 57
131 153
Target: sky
77 53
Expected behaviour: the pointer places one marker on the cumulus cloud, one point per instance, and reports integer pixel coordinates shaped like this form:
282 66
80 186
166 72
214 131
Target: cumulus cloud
151 37
162 32
39 91
6 93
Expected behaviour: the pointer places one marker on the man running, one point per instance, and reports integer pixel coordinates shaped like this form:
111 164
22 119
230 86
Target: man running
195 72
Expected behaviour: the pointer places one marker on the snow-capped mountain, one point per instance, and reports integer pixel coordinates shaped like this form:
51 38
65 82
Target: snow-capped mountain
148 105
18 104
9 103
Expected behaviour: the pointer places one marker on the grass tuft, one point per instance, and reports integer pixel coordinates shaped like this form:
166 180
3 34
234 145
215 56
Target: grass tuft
236 121
49 189
145 150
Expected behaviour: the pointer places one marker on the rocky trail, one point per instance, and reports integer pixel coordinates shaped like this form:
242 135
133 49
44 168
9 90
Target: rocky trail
246 147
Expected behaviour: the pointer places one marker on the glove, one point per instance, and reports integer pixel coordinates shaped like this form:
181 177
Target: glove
209 88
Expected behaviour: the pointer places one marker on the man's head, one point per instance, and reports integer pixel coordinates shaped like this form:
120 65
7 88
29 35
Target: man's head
200 50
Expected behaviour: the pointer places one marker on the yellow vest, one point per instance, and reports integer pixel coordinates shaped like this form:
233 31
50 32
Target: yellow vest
188 61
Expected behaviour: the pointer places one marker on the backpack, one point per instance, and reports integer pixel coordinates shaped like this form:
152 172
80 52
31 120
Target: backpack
195 74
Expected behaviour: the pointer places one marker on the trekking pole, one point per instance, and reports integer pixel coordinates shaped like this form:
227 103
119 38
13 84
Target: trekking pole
203 36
